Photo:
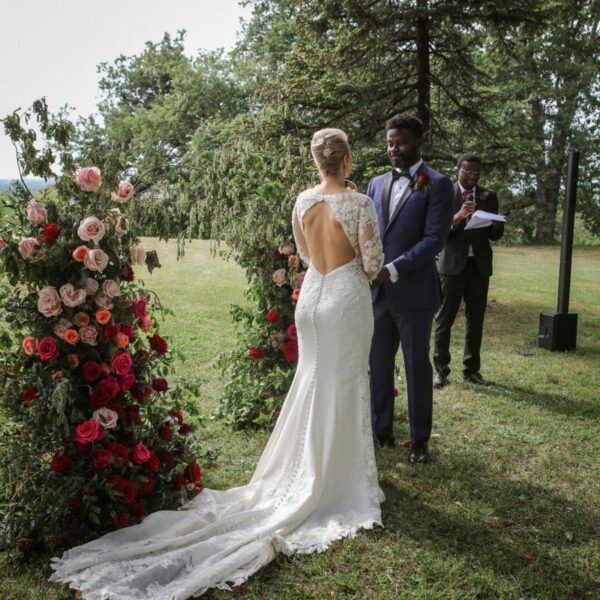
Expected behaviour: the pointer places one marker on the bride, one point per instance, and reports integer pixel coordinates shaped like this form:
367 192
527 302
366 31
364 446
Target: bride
316 480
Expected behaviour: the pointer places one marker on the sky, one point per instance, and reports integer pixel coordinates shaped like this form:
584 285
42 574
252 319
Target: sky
51 47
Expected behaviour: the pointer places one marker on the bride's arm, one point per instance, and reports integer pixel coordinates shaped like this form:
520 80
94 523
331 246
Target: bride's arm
299 236
369 241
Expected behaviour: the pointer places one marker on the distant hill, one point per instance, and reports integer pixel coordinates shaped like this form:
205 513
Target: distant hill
33 183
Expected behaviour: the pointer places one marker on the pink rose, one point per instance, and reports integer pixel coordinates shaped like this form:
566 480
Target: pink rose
27 246
36 213
287 249
121 362
88 431
106 417
96 260
49 302
89 179
138 255
91 228
91 286
62 326
293 261
145 323
141 454
111 288
88 335
279 277
300 278
104 301
124 191
72 296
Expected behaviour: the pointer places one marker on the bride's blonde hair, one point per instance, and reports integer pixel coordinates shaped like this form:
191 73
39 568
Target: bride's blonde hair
328 148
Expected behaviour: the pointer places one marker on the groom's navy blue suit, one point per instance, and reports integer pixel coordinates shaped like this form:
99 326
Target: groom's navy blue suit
412 237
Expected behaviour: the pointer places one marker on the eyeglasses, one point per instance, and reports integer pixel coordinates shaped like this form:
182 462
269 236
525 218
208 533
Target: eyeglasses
470 172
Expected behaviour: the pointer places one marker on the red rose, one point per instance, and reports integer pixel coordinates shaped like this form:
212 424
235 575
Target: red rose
292 332
193 472
104 392
91 371
158 344
61 461
141 356
127 329
423 178
121 519
134 415
277 254
120 453
153 461
128 490
255 353
29 393
126 381
142 391
166 433
138 308
166 456
272 316
50 231
180 482
290 351
109 331
296 294
121 362
118 408
88 431
396 392
141 454
185 429
147 486
160 384
129 274
48 348
101 458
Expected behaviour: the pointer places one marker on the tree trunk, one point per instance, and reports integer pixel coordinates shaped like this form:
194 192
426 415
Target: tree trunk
423 67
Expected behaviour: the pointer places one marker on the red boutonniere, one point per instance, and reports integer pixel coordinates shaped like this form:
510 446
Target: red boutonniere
420 182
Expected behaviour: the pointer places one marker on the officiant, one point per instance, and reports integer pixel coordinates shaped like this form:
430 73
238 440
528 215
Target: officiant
465 267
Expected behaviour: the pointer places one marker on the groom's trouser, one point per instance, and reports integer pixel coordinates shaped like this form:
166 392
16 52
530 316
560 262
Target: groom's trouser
412 329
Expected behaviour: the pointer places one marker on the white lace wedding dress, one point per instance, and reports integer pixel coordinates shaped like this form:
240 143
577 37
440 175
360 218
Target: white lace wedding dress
316 480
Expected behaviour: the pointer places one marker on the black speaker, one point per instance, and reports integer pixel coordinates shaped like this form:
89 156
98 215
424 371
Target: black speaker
558 331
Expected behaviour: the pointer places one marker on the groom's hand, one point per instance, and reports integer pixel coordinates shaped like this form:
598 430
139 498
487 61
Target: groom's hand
381 278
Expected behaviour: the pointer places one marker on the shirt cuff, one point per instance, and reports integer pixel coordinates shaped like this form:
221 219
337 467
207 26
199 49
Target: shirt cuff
393 272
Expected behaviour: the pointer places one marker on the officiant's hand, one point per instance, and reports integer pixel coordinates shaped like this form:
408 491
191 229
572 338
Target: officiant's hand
381 278
466 210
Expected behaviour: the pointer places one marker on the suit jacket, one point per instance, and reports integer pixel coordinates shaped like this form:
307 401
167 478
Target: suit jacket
453 257
412 238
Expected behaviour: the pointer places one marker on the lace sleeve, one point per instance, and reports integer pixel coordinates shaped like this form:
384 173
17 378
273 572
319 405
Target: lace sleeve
299 236
369 240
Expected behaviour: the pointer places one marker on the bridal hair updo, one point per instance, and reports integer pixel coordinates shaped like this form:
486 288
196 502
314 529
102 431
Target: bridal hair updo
328 148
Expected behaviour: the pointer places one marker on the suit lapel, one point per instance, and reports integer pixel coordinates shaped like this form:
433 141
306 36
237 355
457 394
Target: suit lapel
385 199
408 191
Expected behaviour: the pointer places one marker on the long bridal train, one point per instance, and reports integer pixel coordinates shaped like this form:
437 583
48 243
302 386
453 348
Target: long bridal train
316 480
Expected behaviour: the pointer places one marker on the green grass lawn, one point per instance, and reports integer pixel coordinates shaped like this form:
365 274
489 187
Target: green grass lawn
508 508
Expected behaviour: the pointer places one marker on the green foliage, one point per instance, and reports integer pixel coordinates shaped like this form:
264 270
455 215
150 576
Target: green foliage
92 437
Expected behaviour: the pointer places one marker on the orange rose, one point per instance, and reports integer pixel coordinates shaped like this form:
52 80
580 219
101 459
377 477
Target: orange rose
57 375
80 253
29 345
71 336
121 340
103 316
81 319
73 360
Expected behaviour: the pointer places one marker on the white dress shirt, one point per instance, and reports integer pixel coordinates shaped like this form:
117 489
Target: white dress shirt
398 188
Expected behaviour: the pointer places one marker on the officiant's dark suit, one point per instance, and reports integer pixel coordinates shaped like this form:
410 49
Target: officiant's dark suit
465 267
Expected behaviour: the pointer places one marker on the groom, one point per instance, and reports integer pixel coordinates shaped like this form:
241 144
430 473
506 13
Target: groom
414 206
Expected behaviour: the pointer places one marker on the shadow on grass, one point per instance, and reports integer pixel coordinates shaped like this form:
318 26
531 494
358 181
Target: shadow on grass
557 403
523 518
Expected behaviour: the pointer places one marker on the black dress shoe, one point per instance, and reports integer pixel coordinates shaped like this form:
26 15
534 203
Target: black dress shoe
384 440
440 380
477 379
419 454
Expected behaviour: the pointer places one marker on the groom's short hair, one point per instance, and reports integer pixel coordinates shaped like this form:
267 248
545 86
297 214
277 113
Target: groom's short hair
404 121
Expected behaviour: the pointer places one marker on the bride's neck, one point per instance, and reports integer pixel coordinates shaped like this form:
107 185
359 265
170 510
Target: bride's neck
331 184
